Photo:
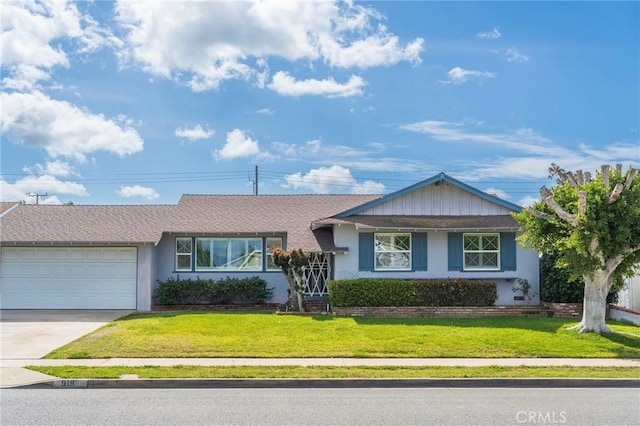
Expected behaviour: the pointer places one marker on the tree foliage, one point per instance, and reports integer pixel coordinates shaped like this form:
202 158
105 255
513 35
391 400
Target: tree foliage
616 225
592 225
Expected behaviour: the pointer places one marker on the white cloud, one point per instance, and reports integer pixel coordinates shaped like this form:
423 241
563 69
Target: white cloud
32 33
285 85
527 201
55 168
523 140
497 192
63 129
540 151
53 200
332 179
201 44
45 184
137 191
492 35
238 145
514 56
459 75
318 152
265 111
9 192
195 133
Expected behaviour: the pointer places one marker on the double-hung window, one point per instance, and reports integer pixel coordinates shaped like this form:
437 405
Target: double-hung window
392 251
481 252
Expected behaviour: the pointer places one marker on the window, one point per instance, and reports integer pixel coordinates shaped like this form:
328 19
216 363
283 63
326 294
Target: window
481 251
184 249
392 252
272 244
229 254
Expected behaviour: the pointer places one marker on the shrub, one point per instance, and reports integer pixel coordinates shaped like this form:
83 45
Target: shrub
226 291
399 292
557 287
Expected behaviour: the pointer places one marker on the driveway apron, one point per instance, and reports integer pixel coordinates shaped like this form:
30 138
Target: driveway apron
31 334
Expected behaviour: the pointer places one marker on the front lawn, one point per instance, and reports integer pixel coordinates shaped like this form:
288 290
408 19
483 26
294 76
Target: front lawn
326 372
206 335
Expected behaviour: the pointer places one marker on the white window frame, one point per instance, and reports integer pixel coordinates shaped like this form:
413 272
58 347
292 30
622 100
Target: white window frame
229 269
481 251
268 253
190 254
379 248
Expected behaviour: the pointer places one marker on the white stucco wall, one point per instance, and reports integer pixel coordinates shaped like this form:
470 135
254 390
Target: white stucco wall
346 265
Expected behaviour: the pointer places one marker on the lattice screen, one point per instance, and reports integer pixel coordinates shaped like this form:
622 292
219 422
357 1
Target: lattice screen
317 274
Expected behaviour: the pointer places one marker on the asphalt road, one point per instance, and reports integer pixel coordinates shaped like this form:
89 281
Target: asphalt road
313 406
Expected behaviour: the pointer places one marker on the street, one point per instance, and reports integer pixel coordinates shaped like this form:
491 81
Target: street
313 406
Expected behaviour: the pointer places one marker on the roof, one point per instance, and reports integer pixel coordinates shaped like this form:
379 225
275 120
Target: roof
305 219
194 214
455 223
30 223
263 214
7 205
441 177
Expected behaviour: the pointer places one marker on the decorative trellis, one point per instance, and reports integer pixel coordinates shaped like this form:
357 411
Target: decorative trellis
317 274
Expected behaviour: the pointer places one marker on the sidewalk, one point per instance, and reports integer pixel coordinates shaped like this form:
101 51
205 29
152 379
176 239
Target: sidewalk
12 374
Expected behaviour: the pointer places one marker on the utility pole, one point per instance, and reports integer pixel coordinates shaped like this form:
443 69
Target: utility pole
37 197
255 182
254 179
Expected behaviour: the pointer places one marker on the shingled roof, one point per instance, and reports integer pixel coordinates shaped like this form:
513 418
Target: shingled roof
58 224
263 214
194 214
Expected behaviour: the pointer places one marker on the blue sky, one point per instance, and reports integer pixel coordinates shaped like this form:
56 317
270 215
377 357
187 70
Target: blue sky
140 102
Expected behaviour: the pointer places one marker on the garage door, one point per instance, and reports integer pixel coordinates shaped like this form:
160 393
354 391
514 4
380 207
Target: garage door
68 278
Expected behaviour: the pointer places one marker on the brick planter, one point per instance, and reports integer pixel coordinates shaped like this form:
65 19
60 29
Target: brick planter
564 310
464 311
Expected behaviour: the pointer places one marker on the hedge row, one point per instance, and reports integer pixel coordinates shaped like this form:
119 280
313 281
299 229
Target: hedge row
226 291
399 292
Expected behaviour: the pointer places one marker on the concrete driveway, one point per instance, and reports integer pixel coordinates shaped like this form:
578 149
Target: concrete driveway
31 334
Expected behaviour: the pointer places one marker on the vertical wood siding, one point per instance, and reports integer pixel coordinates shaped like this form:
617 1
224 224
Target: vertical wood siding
438 200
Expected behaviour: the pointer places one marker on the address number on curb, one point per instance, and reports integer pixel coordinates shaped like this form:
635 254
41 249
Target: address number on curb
70 383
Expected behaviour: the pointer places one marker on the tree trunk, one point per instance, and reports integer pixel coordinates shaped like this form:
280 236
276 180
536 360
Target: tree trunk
299 292
596 289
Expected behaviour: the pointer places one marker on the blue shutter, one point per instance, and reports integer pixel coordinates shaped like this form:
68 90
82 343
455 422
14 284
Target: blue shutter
365 251
454 251
419 251
508 251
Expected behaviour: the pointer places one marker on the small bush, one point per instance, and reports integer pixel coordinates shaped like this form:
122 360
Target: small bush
398 292
226 291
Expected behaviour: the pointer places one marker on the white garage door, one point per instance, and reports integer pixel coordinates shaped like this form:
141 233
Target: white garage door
68 278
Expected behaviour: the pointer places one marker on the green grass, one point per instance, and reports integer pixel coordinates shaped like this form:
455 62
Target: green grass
299 372
197 334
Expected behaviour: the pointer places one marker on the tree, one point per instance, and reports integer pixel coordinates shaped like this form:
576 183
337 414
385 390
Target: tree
293 265
593 225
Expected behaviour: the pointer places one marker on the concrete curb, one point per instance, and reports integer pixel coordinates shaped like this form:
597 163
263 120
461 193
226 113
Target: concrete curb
334 383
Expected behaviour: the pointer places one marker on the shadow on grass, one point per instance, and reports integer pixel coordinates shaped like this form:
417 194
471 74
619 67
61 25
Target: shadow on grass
549 325
174 314
623 339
